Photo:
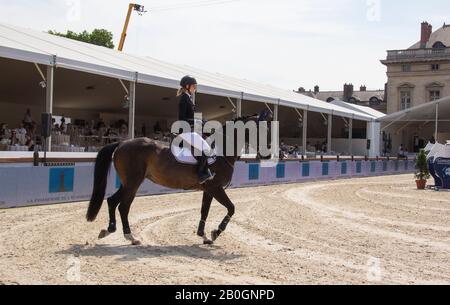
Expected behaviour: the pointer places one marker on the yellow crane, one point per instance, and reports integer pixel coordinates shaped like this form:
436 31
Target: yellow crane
131 7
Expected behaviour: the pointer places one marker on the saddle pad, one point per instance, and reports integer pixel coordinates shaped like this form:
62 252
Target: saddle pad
184 156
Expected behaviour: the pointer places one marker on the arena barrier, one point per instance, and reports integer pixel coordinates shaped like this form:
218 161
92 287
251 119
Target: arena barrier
24 185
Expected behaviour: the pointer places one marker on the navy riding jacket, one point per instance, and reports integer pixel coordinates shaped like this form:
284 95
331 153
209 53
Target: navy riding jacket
186 109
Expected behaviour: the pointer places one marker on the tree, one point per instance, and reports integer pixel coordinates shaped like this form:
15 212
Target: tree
99 37
422 172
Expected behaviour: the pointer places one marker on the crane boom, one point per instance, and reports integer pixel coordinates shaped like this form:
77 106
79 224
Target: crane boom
137 7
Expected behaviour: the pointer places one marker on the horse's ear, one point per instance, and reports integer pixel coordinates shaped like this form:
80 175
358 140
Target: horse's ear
265 115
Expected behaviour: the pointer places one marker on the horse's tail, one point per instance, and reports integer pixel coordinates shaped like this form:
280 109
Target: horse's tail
102 166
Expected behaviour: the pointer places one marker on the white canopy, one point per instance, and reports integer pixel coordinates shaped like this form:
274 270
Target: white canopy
429 112
40 47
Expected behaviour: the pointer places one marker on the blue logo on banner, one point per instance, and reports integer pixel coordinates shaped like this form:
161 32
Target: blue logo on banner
385 166
305 170
344 168
373 166
61 180
358 167
253 172
281 171
325 169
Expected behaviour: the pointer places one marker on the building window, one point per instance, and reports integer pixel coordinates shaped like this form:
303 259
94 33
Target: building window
406 68
405 100
330 99
439 45
435 95
353 100
435 67
374 101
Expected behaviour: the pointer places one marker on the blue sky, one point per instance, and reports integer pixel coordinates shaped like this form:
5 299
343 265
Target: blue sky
285 43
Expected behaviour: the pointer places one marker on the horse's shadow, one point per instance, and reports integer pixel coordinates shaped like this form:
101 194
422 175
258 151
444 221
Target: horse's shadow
134 253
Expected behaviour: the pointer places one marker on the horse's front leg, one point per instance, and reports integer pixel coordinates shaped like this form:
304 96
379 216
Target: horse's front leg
223 199
206 205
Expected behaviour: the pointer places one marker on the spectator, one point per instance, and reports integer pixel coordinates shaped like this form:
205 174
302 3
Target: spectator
21 130
2 130
27 120
157 128
123 132
401 152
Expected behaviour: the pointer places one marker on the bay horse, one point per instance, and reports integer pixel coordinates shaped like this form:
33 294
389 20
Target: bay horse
142 158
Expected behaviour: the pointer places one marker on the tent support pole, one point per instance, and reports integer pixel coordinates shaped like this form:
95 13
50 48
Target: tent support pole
437 122
132 110
239 108
49 100
305 131
350 136
330 130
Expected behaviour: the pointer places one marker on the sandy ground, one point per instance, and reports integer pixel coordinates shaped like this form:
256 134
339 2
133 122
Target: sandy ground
359 231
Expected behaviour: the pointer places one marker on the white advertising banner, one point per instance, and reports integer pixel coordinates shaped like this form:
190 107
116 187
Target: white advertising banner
22 185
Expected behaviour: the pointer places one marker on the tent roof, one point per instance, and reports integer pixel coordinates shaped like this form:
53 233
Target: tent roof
40 47
364 109
422 113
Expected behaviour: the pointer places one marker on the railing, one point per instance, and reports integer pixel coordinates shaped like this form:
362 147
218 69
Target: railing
418 54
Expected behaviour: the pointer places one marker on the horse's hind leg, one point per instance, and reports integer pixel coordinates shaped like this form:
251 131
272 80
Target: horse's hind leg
113 203
220 195
207 199
128 195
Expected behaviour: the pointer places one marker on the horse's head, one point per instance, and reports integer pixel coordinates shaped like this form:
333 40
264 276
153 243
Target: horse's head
261 122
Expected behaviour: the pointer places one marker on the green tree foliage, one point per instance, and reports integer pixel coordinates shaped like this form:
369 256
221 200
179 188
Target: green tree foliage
422 171
99 37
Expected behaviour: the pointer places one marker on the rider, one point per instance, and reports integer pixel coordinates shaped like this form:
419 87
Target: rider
186 113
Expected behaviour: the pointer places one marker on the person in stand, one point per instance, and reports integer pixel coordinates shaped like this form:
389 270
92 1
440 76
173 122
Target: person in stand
187 113
27 120
401 152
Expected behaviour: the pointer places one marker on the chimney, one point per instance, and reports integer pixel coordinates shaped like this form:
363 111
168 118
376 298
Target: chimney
385 91
425 34
363 88
348 92
316 89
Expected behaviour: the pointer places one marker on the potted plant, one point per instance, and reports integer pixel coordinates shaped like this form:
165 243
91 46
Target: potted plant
422 173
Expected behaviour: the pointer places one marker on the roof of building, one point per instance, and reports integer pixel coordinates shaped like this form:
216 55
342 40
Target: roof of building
362 96
442 35
43 48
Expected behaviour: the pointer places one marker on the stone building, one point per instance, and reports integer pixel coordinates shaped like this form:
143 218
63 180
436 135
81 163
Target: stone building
418 75
371 98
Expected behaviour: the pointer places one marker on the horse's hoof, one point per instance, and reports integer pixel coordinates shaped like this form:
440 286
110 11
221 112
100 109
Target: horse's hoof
208 242
215 235
136 243
103 234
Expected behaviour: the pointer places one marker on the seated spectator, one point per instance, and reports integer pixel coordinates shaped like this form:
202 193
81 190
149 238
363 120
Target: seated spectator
2 130
123 131
21 130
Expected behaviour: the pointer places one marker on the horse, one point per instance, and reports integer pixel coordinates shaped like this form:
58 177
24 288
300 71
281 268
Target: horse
139 159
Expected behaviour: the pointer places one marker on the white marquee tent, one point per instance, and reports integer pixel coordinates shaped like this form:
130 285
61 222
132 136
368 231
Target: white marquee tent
56 52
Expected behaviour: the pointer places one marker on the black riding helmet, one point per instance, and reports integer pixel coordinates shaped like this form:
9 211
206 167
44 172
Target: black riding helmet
188 81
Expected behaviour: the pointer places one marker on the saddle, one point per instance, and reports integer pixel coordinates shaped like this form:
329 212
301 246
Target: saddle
184 154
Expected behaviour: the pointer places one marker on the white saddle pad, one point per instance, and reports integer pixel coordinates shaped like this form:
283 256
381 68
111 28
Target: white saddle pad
184 155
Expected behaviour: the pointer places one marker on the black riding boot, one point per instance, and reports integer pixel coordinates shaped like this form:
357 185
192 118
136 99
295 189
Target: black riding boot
204 174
